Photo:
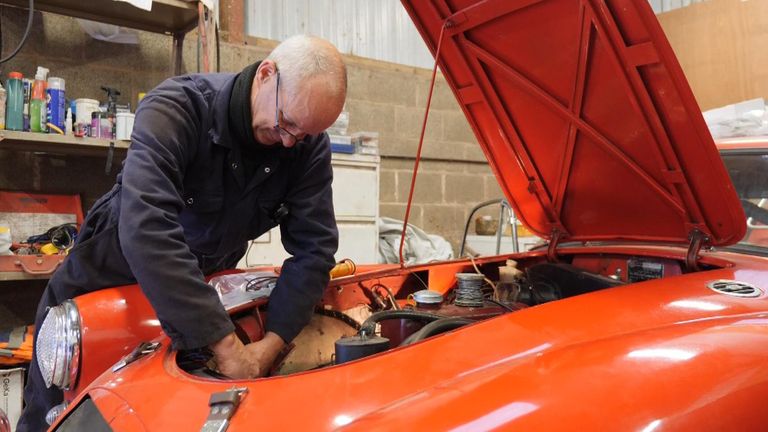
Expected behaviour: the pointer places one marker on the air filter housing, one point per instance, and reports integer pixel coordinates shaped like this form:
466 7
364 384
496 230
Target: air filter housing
357 347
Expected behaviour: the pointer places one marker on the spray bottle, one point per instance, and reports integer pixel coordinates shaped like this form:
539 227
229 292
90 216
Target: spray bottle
37 104
112 94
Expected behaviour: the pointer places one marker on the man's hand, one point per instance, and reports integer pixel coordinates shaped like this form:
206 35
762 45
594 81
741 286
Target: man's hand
239 361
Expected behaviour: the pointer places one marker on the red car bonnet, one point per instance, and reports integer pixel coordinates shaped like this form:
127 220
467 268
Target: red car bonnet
585 117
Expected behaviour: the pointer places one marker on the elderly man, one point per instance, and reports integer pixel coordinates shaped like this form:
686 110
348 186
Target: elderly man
216 160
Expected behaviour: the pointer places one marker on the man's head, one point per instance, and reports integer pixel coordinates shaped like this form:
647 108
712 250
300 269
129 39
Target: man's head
298 90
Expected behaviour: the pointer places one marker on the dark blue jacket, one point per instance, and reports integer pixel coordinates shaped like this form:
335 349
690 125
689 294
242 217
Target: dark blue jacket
183 207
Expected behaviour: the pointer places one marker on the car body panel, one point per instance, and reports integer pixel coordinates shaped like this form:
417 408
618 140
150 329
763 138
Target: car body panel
585 117
743 143
670 349
125 318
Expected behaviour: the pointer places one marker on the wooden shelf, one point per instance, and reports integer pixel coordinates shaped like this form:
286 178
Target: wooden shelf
167 16
59 144
21 276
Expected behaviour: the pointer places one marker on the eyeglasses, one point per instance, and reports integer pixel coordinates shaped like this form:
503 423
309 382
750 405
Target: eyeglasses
277 126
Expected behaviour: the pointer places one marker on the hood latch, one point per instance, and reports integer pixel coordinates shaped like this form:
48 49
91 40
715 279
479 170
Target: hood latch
223 406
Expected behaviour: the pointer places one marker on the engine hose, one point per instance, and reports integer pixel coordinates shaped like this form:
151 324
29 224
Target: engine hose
341 316
435 328
369 326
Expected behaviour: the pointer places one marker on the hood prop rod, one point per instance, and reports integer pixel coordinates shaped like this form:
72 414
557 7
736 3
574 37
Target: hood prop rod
697 240
447 23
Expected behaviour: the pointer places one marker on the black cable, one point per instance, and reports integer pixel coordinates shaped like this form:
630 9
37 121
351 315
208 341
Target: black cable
255 283
218 47
341 316
1 30
26 33
498 303
62 236
248 251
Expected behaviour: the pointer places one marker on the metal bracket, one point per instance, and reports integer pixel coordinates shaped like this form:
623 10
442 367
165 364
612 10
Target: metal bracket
223 406
552 248
140 351
696 240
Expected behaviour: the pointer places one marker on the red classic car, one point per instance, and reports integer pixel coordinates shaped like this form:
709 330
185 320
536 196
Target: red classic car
645 312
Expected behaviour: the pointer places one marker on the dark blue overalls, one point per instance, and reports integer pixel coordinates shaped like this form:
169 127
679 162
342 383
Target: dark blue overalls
183 207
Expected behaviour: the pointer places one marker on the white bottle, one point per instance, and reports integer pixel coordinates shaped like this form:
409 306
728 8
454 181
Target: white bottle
68 122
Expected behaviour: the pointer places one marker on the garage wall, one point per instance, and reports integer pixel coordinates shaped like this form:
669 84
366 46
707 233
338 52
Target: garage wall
721 46
383 97
378 29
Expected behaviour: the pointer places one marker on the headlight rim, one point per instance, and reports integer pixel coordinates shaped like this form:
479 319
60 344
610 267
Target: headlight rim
66 363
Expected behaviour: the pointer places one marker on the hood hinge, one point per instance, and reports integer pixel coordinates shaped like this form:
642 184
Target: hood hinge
554 239
696 239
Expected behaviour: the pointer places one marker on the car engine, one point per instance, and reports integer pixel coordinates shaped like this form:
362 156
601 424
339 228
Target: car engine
361 318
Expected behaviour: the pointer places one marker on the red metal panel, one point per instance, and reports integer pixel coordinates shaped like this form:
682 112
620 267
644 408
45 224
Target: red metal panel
585 116
684 355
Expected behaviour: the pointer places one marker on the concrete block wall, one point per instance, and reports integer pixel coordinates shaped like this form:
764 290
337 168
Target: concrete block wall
383 97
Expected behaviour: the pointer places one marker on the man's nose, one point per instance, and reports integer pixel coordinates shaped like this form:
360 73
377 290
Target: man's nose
288 141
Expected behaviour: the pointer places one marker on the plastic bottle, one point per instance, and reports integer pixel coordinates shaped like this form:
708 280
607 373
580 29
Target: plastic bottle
27 84
68 122
2 107
37 105
56 103
14 118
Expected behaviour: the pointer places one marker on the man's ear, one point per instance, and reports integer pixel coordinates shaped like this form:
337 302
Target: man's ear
266 69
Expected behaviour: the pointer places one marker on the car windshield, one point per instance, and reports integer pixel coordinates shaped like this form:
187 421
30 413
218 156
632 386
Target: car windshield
749 172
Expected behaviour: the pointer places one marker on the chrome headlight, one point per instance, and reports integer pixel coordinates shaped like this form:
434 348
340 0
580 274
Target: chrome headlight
58 346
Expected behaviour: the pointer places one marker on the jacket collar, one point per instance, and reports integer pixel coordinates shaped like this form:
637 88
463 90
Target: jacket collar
219 111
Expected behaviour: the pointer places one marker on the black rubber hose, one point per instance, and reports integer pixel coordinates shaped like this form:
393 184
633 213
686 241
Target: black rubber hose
26 33
369 326
436 327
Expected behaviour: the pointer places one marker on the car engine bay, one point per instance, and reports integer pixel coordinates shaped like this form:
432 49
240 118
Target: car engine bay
364 315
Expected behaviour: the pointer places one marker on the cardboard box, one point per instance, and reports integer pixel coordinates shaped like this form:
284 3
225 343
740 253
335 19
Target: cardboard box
12 394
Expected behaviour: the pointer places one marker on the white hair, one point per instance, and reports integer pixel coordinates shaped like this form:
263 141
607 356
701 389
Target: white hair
301 57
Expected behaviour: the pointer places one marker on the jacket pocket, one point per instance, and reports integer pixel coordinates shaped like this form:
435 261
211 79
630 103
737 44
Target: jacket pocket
204 201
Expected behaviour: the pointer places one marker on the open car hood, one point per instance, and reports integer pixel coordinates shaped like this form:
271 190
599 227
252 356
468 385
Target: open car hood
585 117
